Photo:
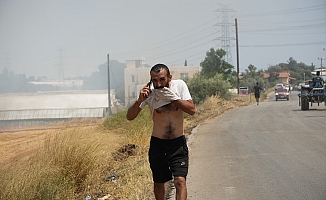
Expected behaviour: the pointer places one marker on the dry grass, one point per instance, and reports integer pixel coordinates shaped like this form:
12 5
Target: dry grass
65 163
82 157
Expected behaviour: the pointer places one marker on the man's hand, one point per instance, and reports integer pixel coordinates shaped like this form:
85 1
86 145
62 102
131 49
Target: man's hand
134 110
144 93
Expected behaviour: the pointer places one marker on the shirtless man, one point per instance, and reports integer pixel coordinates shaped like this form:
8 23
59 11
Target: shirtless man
168 152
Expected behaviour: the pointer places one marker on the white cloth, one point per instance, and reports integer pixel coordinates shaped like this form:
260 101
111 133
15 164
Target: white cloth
160 97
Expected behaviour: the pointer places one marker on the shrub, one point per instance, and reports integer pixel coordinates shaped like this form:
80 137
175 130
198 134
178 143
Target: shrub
202 87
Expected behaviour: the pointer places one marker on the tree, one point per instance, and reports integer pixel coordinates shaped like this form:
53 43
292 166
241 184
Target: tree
298 71
214 64
251 71
11 83
98 79
251 77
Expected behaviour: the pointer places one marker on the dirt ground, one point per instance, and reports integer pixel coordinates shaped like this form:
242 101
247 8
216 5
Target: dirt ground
19 143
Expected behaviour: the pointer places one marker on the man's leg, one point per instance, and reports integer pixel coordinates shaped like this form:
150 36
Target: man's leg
181 188
159 191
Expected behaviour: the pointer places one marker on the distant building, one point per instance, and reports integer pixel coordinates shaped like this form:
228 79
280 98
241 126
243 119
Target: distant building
283 77
66 84
136 76
43 108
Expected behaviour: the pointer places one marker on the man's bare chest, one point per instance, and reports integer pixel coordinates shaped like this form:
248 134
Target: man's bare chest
166 109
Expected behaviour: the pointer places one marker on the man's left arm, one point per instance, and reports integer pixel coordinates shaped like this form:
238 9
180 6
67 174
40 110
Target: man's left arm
185 105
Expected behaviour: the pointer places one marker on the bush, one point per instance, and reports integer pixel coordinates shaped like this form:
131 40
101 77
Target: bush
202 87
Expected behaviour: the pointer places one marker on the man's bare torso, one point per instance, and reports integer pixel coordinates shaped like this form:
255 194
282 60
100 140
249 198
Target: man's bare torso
168 122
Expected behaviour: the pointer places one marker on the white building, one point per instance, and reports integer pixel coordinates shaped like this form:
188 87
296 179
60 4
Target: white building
137 75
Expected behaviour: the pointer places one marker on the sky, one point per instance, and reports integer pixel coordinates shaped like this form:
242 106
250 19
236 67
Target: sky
70 38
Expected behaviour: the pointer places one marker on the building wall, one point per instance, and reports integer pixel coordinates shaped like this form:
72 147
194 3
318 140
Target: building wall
56 100
137 76
283 80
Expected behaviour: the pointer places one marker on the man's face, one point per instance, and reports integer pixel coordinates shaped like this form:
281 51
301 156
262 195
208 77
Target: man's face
161 79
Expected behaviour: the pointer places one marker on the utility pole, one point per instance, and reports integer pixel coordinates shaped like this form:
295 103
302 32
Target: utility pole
61 76
237 48
321 65
7 63
109 88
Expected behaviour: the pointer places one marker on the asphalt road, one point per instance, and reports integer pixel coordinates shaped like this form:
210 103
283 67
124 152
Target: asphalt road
273 151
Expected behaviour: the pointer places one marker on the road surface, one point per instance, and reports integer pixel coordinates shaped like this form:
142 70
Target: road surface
273 151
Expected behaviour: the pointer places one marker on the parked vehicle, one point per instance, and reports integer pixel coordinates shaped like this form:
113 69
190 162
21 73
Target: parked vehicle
243 91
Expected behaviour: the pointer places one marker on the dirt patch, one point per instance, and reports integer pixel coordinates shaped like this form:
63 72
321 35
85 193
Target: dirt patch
124 152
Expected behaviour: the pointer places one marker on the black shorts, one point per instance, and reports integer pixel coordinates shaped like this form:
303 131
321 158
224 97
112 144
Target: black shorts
257 95
167 158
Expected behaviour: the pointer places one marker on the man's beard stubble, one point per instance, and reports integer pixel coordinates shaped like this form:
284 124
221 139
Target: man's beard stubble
166 85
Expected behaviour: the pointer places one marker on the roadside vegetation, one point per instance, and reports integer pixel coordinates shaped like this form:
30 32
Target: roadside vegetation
109 157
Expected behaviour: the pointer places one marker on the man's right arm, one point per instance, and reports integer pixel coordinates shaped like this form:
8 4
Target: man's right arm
133 110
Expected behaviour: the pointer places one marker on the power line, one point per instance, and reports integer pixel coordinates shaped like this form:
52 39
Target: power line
243 21
280 45
290 34
285 12
150 47
286 28
173 45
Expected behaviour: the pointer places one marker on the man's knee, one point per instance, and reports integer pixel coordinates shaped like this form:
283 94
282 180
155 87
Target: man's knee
179 182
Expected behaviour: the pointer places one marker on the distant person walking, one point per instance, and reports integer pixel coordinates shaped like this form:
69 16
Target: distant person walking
257 90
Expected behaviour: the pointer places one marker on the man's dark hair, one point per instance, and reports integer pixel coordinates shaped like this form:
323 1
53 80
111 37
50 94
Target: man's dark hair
256 83
318 73
158 67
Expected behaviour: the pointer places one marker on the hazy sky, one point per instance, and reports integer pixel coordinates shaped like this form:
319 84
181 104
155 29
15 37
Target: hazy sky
38 37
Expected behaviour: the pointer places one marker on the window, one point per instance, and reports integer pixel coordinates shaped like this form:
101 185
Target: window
132 78
183 75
